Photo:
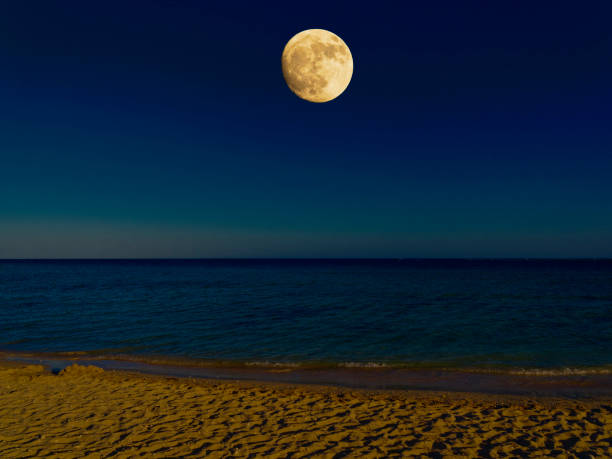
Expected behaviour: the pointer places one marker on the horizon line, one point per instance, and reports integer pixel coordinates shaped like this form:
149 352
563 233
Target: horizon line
293 258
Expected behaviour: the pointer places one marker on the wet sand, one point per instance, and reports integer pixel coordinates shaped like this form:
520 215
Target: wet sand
87 411
564 383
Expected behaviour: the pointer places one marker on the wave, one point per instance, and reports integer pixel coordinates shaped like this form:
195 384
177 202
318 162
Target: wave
122 354
602 370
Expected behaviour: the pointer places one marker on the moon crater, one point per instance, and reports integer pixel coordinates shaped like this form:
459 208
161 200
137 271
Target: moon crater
317 65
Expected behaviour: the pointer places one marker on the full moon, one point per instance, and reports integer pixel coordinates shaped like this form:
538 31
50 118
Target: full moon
317 65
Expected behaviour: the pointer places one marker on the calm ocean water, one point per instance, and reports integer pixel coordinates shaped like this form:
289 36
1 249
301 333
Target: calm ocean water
533 314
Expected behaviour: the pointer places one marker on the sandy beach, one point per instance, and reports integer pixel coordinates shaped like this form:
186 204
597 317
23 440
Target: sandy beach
85 411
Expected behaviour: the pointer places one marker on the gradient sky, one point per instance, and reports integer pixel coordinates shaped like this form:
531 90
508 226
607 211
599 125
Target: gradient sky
165 129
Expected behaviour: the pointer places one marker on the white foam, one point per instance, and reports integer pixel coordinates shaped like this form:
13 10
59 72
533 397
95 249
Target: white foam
562 371
363 365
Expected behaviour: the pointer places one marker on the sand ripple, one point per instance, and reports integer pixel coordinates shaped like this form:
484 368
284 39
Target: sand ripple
86 411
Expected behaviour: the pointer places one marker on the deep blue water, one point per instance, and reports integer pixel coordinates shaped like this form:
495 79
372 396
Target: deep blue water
518 313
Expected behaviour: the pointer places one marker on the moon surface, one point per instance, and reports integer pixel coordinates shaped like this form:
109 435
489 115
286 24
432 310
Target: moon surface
317 65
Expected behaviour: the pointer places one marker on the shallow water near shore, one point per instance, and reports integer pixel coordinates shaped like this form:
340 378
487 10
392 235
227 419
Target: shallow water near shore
538 317
574 386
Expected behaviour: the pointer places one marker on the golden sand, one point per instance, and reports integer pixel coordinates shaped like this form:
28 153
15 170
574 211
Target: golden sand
86 411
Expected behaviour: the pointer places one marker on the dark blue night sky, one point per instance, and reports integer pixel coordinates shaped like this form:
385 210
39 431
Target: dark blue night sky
165 129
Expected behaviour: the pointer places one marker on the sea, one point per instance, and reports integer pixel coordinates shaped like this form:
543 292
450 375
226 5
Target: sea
499 315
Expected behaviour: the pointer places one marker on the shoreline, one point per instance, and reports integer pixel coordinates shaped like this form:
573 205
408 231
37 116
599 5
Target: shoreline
569 386
85 410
